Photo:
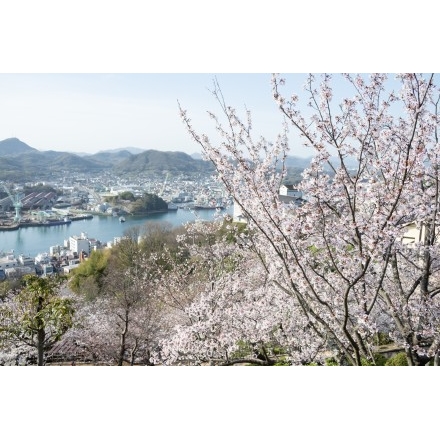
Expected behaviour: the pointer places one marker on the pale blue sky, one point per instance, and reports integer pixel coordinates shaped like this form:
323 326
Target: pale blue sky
92 112
82 112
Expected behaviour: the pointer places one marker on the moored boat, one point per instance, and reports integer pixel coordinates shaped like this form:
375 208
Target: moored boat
9 227
57 222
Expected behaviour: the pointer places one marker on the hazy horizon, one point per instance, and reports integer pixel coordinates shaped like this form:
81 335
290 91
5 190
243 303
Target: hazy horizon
92 112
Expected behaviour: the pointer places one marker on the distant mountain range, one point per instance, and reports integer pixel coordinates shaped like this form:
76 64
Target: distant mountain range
132 150
159 161
14 147
19 161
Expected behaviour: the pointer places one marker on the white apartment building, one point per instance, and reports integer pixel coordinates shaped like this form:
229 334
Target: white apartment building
80 244
8 261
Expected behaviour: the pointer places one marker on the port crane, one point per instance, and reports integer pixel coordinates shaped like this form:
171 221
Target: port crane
16 201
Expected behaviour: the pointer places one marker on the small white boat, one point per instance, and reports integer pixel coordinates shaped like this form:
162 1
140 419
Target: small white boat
122 219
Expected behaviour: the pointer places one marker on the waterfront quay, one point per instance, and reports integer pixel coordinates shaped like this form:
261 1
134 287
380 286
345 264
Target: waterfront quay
28 223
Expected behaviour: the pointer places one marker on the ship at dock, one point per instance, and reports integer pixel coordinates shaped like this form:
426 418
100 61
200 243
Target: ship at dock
203 203
45 222
208 206
58 222
8 226
42 221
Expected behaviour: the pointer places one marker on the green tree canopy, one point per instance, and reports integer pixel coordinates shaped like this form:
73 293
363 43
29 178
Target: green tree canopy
149 203
37 316
88 276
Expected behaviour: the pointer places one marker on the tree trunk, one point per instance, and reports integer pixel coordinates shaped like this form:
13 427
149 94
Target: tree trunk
133 352
41 334
409 357
123 341
40 346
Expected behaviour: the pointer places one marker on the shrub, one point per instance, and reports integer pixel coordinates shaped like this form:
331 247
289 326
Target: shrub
383 339
398 360
331 362
379 361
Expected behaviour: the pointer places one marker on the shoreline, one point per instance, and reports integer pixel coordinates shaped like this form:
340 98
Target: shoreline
31 241
86 215
31 224
127 214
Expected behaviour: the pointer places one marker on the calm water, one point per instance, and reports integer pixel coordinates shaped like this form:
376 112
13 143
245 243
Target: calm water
31 241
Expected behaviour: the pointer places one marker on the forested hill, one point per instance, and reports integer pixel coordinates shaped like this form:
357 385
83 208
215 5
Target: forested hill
20 162
14 147
159 161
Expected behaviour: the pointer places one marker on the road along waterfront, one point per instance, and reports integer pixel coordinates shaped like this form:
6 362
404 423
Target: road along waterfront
32 241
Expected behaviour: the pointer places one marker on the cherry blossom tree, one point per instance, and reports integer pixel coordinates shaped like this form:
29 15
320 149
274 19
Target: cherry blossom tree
238 319
118 324
341 259
222 317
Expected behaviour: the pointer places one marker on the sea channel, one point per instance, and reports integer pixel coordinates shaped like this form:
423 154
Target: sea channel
31 241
